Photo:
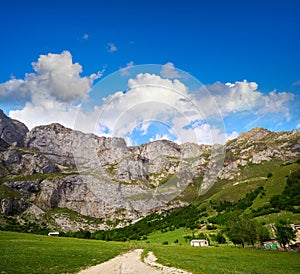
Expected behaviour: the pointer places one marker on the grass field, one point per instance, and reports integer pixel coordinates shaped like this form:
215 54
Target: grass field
227 259
28 253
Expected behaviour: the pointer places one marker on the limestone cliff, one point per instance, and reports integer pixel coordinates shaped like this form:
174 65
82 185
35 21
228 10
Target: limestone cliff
53 167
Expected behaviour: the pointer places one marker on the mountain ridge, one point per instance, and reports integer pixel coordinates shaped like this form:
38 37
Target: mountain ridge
52 167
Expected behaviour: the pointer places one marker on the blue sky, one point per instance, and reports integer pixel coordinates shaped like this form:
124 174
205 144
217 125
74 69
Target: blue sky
214 41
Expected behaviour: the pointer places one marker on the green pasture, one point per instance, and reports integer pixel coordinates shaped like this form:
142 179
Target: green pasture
199 260
28 253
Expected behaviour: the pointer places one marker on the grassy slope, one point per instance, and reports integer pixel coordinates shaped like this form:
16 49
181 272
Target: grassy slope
28 253
252 177
170 237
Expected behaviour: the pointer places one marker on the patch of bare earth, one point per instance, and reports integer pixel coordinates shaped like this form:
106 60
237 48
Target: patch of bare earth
130 263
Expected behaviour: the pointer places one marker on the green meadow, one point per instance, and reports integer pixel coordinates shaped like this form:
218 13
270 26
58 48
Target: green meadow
226 259
28 253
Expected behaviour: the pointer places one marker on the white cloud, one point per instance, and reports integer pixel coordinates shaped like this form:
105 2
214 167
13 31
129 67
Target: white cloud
14 90
148 97
85 36
55 75
111 47
298 125
143 127
232 135
51 92
169 71
43 111
244 96
160 137
151 98
124 71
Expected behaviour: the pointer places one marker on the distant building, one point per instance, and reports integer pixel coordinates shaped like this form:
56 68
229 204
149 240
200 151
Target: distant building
199 242
55 233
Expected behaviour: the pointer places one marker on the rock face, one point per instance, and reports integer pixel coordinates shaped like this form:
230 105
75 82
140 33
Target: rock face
257 146
15 159
11 131
53 167
16 162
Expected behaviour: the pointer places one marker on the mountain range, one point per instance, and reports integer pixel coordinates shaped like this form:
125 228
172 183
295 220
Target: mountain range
70 180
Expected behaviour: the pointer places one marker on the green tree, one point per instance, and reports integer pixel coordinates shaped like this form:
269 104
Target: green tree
241 230
251 231
220 238
284 232
235 230
263 233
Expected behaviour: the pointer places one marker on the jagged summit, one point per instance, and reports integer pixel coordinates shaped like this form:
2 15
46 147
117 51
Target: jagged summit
255 134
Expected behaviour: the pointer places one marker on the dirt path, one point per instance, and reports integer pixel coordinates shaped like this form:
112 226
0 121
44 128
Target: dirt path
130 263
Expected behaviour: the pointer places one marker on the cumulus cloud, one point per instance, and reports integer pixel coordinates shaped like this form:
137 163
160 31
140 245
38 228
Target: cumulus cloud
152 98
148 96
244 96
111 47
55 76
85 36
169 71
43 111
51 92
14 90
124 71
191 116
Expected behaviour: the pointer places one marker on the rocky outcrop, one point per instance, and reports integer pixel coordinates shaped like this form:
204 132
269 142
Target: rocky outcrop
15 159
111 158
11 131
257 146
255 134
15 162
12 205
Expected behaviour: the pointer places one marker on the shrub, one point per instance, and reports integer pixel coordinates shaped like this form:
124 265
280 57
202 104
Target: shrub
269 175
211 227
220 239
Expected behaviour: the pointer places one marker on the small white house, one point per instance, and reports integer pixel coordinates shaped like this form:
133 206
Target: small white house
56 233
199 242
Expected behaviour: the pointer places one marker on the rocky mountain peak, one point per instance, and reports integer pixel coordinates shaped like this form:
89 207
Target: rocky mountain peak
254 134
11 131
54 127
